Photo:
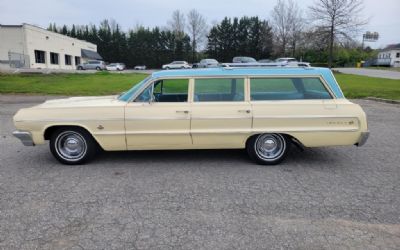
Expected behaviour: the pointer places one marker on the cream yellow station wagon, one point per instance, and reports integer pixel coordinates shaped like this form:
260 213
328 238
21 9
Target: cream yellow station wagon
263 110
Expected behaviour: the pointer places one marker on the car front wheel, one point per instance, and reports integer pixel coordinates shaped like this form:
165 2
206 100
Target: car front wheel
72 146
268 149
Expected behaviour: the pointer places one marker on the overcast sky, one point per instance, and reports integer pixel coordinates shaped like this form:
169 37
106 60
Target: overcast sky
384 14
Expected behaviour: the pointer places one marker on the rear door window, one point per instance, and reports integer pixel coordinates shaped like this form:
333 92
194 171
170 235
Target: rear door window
219 90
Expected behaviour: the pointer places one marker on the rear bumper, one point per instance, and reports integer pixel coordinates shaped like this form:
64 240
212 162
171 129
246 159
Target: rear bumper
363 139
25 137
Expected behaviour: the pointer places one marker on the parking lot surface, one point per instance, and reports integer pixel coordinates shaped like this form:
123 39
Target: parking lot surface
370 72
322 198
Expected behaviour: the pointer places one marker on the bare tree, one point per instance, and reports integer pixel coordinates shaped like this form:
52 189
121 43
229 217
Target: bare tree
338 18
197 28
298 25
177 24
288 23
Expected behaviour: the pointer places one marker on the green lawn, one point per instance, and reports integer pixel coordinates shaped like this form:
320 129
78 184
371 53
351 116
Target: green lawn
104 83
101 83
355 86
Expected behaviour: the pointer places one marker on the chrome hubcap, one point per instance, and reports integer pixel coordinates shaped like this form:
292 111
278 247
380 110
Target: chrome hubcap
71 146
270 147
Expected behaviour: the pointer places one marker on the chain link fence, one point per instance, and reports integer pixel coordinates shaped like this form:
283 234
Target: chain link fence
15 60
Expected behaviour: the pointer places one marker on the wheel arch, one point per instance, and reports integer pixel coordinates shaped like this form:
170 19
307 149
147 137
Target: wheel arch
290 138
49 130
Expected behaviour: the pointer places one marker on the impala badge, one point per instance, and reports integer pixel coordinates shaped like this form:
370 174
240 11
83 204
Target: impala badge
100 127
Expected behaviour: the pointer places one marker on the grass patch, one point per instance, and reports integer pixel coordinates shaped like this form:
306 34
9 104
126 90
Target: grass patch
105 83
355 86
101 83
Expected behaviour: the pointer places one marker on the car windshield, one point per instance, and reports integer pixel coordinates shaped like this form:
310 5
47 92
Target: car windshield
126 96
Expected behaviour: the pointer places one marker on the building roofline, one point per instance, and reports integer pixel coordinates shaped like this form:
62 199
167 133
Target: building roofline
390 49
11 25
44 30
395 46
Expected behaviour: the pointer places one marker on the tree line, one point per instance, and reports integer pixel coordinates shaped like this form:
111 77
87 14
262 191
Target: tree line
141 46
323 35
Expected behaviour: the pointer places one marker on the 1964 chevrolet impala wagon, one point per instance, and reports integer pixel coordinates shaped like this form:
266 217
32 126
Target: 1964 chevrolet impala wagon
264 110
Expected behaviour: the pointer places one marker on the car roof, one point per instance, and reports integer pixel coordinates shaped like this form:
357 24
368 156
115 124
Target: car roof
255 71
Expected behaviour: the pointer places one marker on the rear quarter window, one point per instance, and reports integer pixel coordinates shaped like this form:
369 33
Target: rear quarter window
282 88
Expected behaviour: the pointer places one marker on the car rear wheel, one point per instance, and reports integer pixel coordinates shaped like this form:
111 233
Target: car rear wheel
80 68
72 146
268 149
98 68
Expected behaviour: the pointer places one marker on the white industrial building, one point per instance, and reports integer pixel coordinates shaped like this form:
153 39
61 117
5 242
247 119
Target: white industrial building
29 46
389 56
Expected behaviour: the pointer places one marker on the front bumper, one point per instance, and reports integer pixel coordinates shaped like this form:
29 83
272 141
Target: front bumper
25 137
363 139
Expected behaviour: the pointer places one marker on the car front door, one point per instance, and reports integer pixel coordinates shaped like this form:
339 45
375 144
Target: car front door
159 118
221 115
175 65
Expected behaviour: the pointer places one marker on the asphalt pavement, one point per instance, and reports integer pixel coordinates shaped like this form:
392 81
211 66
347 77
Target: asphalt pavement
380 73
322 198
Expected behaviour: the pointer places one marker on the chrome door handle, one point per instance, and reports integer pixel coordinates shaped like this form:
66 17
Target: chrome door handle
247 111
183 111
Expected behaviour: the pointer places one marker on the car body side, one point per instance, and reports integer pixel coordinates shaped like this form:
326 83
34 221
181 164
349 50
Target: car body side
120 125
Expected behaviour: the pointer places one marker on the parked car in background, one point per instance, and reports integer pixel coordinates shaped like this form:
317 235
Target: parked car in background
243 59
140 67
116 66
265 61
206 63
262 110
286 59
177 65
299 64
92 64
290 61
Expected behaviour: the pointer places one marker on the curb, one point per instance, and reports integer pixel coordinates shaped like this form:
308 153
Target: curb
383 100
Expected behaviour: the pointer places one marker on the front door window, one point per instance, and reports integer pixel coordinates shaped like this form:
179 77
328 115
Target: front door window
167 90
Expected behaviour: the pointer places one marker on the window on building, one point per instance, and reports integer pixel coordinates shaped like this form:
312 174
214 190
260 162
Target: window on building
398 55
219 90
53 58
68 60
77 60
287 89
40 56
